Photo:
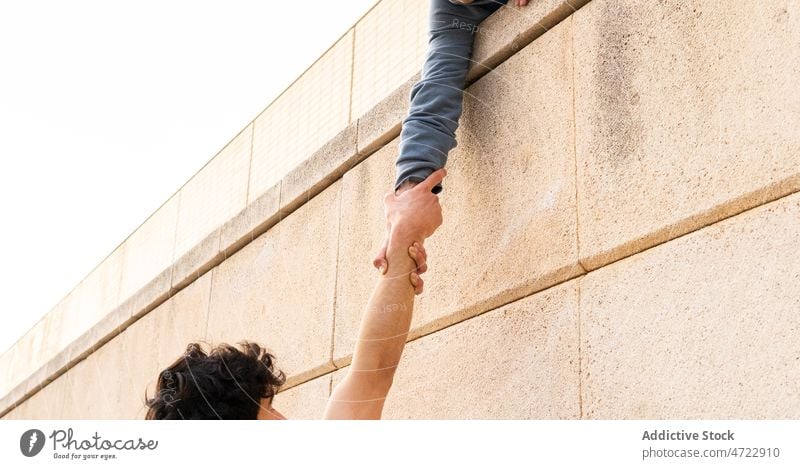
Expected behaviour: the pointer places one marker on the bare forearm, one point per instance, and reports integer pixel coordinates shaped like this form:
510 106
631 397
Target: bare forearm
411 217
380 343
386 321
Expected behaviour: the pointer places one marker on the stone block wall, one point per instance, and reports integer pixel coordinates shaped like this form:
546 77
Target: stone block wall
621 214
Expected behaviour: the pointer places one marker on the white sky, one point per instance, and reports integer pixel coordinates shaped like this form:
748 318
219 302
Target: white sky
107 108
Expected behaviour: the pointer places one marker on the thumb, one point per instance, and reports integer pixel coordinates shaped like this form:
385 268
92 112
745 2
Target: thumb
379 261
434 179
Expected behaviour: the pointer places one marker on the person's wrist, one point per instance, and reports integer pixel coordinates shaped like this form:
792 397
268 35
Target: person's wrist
406 185
401 237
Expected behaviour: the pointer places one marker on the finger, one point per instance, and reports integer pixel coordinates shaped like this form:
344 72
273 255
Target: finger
416 282
432 180
438 216
388 199
421 258
380 261
413 253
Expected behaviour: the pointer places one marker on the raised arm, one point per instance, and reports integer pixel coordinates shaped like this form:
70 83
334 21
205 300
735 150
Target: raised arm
414 216
429 129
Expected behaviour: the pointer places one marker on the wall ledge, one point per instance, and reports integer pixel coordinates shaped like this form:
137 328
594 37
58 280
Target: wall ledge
500 37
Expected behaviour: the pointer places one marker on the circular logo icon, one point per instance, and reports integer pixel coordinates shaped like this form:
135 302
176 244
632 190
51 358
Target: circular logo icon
31 442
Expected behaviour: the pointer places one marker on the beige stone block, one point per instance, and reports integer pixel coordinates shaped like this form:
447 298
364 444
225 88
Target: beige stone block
678 125
215 194
390 45
152 294
5 370
94 298
7 362
99 291
383 122
701 327
305 116
259 215
305 401
25 362
49 403
320 170
111 382
511 28
105 329
81 347
94 308
516 362
33 372
30 383
197 261
279 290
172 326
22 359
149 249
510 189
97 381
500 36
21 412
60 330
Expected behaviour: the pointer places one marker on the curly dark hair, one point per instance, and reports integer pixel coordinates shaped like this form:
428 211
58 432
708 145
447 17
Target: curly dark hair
226 383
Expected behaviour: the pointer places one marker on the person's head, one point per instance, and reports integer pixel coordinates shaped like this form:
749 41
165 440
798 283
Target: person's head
225 383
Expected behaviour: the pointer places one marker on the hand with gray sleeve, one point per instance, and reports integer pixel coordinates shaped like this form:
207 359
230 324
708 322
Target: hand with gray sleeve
429 129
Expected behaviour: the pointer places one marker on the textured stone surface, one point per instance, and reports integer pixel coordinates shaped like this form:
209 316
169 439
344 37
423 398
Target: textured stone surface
499 36
95 297
6 369
679 126
304 117
516 362
149 249
215 194
110 383
512 28
248 224
153 342
74 316
510 189
100 386
145 348
152 294
320 170
279 290
702 327
42 364
197 261
52 402
306 401
390 44
383 122
24 357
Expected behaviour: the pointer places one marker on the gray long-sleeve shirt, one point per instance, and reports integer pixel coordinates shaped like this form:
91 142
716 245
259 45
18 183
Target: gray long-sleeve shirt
429 130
